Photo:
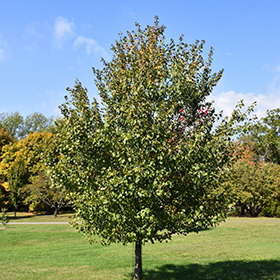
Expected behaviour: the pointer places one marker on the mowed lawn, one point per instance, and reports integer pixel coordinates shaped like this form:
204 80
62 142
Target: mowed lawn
238 249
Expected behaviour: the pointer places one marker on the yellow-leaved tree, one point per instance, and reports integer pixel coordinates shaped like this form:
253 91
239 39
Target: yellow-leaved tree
26 175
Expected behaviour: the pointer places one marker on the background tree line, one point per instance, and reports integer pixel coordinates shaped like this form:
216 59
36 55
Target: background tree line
24 179
20 127
252 184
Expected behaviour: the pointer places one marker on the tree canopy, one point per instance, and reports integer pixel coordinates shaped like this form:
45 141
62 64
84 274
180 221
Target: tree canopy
12 122
5 139
252 185
253 182
25 158
17 178
29 150
263 137
20 127
40 189
147 163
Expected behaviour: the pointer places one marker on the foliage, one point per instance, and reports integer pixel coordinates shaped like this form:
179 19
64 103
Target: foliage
272 209
271 136
265 135
37 123
252 186
148 164
41 190
20 128
4 217
261 146
17 178
12 122
29 152
4 197
5 139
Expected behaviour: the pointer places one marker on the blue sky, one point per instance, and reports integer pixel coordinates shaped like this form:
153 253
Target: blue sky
46 45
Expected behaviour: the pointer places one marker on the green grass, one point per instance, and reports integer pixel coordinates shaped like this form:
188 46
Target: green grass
233 250
29 217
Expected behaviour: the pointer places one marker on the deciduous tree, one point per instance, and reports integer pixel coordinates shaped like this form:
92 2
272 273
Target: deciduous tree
28 152
251 185
148 163
17 178
264 137
5 139
37 122
12 122
20 127
41 190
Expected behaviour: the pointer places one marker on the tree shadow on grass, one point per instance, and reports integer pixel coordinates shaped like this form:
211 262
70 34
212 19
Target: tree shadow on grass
234 270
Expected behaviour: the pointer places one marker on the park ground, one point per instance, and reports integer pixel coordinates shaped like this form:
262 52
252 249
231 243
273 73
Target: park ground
240 248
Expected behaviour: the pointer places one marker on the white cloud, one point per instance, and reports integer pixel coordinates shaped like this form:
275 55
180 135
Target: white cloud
3 49
126 11
2 55
34 34
63 29
33 29
275 68
91 46
227 101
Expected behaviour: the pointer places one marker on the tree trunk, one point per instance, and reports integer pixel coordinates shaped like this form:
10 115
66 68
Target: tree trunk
138 261
242 213
55 212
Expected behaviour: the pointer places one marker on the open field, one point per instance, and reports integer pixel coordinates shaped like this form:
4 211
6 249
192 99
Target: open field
249 249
